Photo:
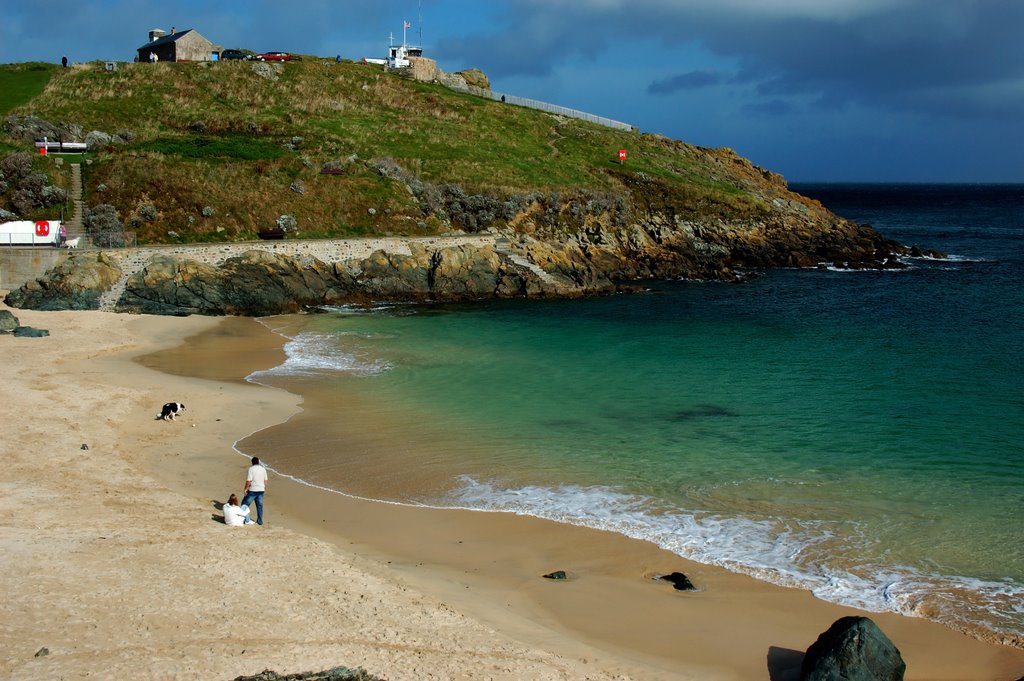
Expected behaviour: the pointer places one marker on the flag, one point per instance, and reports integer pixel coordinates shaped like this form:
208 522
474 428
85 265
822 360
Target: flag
408 25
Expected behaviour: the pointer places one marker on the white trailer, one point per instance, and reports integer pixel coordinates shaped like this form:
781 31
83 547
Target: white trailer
29 233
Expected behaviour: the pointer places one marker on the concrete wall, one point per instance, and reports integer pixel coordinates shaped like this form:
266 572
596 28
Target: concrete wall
19 265
193 47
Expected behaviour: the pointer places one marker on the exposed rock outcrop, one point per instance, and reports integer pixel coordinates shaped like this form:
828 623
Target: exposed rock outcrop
335 674
75 284
600 257
263 283
853 649
255 283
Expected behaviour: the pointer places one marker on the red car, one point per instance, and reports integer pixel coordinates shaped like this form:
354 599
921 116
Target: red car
274 56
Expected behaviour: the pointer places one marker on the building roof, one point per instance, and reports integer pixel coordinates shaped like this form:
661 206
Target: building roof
167 39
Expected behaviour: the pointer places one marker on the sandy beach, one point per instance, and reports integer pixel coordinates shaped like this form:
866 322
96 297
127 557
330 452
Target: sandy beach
113 557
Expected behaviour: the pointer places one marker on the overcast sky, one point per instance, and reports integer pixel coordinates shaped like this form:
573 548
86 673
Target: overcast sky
819 90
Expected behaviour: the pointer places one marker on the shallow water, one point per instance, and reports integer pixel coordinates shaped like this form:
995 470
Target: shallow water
855 434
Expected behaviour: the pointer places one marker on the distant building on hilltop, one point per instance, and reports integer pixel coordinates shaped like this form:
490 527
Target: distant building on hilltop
187 45
398 55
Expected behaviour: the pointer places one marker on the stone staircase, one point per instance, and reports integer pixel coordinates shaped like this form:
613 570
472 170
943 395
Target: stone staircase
75 226
108 299
503 245
533 267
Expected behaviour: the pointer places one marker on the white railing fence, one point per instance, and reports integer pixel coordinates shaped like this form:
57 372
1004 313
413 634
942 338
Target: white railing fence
542 106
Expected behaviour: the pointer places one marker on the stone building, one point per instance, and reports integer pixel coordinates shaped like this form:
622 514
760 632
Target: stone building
187 45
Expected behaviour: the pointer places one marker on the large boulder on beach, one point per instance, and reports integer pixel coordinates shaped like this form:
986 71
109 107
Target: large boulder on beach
75 284
853 649
8 322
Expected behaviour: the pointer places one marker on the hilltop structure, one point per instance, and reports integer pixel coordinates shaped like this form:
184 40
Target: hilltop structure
399 56
187 45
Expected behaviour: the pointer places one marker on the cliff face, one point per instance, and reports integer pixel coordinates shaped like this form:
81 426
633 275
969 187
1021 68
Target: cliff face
593 260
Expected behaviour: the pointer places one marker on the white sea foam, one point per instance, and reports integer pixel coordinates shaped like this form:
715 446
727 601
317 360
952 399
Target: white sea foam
311 353
788 553
957 258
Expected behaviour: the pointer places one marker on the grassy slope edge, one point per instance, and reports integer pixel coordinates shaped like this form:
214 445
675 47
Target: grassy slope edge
218 151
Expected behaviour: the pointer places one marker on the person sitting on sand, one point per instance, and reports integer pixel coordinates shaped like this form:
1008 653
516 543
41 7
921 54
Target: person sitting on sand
235 514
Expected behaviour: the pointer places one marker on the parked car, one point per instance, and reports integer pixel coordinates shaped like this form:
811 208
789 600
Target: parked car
235 54
275 56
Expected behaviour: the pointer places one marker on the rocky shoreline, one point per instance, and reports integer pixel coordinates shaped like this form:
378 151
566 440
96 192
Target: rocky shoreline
264 278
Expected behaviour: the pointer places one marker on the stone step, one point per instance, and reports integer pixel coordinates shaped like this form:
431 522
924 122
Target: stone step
74 225
533 267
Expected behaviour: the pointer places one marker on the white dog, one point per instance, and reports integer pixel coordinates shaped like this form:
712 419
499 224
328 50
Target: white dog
72 243
170 411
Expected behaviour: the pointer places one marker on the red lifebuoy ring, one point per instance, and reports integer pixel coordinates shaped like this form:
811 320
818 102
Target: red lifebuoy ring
42 228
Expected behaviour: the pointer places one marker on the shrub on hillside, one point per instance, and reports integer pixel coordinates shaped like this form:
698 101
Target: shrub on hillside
29 194
102 218
16 166
287 223
53 195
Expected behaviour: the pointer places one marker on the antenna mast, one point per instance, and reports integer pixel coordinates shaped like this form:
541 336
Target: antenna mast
421 22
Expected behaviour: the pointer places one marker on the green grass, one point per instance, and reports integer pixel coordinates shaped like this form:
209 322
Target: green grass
237 165
223 147
20 83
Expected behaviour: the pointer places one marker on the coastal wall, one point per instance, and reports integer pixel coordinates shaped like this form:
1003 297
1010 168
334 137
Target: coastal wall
19 265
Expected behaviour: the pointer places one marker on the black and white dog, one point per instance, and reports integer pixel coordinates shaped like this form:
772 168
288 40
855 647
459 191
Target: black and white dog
170 411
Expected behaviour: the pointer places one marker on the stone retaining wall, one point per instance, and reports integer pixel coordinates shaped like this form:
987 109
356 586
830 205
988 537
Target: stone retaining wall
19 265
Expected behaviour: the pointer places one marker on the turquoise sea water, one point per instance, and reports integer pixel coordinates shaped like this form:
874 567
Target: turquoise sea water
857 434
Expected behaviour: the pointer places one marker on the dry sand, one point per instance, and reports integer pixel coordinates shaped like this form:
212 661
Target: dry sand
114 560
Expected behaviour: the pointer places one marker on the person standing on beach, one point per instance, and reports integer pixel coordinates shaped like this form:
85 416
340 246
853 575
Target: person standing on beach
255 486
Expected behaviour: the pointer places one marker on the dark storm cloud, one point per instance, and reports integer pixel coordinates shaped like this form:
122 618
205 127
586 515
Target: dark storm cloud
694 80
948 57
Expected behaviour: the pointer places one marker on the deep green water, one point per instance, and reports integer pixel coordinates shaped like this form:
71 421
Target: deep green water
855 434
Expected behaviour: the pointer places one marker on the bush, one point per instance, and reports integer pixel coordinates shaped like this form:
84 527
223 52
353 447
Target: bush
148 212
287 223
102 218
53 196
16 166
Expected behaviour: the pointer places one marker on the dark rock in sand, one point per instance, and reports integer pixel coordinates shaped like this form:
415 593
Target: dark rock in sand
43 652
335 674
75 284
557 574
8 322
29 332
679 581
853 649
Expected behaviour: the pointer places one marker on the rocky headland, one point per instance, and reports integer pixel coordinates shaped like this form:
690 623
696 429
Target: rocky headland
452 198
263 278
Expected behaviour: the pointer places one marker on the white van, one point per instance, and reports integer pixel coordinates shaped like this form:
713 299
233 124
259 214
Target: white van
29 233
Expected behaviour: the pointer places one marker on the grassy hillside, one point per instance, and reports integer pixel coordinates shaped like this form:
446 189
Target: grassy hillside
218 151
19 84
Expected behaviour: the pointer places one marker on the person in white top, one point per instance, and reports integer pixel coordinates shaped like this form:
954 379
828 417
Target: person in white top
255 486
235 514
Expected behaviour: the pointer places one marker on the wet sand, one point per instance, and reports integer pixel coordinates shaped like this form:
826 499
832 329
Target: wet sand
115 561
